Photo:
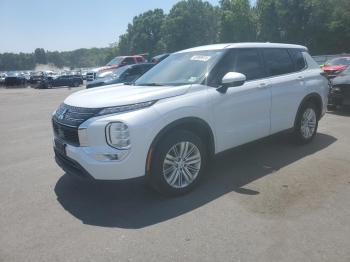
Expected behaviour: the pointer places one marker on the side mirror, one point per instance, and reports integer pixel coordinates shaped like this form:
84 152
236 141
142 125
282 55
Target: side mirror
231 79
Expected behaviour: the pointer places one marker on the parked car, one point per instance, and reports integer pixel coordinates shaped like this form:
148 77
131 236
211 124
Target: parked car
124 74
66 80
159 58
15 79
114 64
336 65
195 104
340 91
39 79
2 78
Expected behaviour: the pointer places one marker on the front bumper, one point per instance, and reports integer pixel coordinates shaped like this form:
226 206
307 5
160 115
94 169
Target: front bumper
84 162
71 167
103 162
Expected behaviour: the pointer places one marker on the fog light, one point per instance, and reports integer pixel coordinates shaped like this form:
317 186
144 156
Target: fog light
111 156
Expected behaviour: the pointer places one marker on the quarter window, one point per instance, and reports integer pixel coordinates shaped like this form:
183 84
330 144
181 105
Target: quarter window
278 61
298 59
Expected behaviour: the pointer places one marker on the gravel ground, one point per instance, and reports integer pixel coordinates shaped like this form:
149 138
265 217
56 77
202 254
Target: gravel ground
266 201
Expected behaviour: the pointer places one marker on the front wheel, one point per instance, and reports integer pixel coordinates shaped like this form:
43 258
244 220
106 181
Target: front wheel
178 163
306 124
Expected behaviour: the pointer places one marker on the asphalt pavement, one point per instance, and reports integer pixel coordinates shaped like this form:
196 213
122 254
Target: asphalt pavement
267 201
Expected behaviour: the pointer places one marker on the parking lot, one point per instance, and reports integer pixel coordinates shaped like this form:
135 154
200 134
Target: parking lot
266 201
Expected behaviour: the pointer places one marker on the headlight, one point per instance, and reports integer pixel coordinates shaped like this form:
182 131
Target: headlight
118 135
120 109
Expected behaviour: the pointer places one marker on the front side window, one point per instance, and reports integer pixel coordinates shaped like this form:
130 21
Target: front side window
134 71
248 63
118 72
245 61
278 61
182 68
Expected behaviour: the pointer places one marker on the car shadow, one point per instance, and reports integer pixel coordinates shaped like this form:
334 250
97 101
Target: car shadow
131 204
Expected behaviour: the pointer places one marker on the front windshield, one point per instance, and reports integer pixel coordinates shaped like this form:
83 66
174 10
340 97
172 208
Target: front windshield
115 61
339 61
118 72
181 68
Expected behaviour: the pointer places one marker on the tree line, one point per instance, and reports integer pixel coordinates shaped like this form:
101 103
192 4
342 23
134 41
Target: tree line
321 25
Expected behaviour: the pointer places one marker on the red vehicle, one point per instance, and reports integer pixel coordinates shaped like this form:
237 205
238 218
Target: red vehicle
336 65
116 62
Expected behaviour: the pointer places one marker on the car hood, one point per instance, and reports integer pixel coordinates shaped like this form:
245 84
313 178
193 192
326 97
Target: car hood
333 68
104 68
119 94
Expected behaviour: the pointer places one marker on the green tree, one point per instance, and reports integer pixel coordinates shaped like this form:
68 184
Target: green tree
40 56
143 34
268 27
339 26
190 23
237 22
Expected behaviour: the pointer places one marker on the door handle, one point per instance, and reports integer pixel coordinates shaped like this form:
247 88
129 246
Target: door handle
300 77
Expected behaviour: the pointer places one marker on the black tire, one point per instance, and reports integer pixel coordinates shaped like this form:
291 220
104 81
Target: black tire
156 178
75 84
298 135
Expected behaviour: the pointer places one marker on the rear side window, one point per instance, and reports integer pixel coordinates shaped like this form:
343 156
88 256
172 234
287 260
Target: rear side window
139 59
128 61
248 63
278 61
298 59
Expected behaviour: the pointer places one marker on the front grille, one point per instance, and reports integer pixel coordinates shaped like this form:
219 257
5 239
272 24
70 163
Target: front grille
67 120
90 76
74 116
66 133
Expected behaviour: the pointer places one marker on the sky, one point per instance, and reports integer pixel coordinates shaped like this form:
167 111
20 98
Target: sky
65 25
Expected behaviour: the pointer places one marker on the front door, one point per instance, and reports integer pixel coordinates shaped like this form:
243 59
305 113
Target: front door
242 114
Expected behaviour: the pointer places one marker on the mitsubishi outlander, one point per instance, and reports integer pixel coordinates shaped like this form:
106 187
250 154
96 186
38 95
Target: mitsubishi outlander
192 105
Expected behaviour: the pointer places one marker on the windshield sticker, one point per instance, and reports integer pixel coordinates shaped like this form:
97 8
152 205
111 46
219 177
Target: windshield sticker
202 58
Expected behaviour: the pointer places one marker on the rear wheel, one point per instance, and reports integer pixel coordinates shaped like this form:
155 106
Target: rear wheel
178 163
306 124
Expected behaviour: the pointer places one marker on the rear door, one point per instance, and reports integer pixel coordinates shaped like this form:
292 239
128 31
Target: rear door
286 81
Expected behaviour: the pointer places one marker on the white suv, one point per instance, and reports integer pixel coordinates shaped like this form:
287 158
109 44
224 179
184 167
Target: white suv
191 106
